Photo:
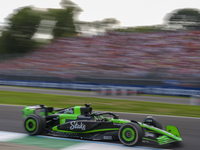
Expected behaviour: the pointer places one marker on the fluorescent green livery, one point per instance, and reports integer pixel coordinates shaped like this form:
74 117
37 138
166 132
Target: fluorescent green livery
31 124
27 111
80 122
132 134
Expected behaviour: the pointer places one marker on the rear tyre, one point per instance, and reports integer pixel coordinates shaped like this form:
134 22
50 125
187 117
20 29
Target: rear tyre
130 134
34 124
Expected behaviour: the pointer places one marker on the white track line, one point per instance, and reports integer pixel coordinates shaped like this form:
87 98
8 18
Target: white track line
8 136
85 145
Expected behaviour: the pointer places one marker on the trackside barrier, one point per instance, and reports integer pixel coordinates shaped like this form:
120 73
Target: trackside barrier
195 100
116 91
125 89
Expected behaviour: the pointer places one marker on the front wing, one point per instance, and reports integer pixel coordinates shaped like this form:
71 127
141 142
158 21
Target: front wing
160 136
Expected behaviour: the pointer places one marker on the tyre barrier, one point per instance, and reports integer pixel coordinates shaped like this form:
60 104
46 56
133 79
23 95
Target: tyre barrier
117 91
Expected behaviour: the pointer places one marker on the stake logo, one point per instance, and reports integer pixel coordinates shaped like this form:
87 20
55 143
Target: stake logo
69 111
75 125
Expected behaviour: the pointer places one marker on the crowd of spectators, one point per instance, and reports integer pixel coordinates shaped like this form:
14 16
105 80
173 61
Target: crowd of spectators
166 54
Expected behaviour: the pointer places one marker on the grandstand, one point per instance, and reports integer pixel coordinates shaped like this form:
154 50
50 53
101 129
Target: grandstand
155 55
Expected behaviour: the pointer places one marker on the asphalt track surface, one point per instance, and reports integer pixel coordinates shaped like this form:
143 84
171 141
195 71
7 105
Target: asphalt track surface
11 120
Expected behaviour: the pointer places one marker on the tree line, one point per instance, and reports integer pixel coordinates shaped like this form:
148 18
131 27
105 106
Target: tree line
17 36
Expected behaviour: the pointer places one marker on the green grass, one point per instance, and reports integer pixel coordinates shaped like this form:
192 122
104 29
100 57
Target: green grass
47 88
21 98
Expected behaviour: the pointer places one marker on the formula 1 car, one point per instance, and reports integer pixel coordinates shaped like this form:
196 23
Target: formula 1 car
80 122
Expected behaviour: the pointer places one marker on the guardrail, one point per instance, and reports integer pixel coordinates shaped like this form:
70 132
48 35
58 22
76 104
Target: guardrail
195 100
145 89
117 91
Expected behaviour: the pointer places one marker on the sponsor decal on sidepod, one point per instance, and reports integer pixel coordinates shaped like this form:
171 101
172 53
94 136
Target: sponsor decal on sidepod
75 125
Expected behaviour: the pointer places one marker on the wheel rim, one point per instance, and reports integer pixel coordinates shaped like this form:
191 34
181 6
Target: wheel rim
128 134
31 125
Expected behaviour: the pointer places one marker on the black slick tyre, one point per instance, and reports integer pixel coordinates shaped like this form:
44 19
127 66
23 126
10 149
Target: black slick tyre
130 134
152 122
157 123
34 124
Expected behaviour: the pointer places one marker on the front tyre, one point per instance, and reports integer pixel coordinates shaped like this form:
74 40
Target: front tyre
34 124
152 122
130 134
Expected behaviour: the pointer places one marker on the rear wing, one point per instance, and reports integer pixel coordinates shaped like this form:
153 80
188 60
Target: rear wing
43 110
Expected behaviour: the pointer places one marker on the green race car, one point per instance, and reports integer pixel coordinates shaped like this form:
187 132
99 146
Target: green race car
80 122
